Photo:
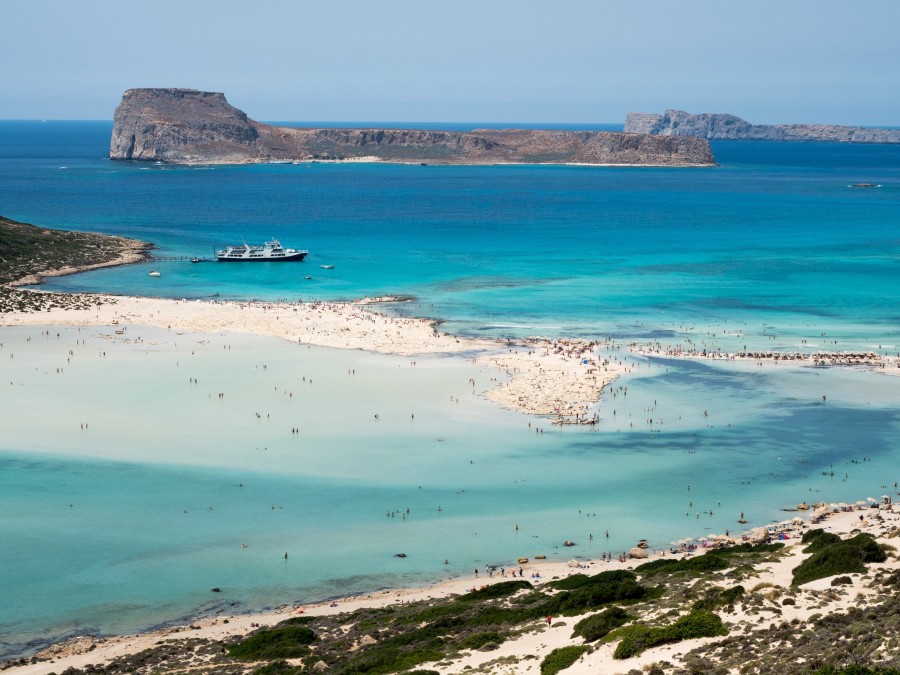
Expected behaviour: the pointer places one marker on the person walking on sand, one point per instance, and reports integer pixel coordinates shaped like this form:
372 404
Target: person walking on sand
549 620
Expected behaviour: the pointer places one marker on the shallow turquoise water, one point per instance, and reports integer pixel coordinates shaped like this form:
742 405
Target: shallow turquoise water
767 250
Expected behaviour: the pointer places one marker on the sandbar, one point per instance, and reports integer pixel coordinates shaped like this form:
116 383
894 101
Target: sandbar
550 377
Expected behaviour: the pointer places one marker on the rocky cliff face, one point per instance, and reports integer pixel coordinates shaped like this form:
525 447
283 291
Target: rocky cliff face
195 127
173 124
715 126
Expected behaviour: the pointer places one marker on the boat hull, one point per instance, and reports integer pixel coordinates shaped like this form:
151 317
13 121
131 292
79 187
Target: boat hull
297 257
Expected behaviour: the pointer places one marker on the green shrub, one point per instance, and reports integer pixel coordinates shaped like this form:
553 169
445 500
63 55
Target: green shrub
561 658
594 595
710 562
598 625
576 581
637 638
287 642
713 561
812 535
500 590
716 597
479 640
387 659
818 539
698 624
749 548
452 608
842 557
297 621
278 668
570 582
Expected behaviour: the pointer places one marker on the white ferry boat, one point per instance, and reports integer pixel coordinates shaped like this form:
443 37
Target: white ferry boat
271 251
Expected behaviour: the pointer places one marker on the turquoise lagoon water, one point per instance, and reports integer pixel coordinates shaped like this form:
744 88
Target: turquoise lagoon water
111 530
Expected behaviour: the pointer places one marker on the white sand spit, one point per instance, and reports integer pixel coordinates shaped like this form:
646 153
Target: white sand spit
548 377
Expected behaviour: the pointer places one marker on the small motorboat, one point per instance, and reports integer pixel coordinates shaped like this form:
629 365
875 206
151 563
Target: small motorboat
327 267
155 273
195 259
307 277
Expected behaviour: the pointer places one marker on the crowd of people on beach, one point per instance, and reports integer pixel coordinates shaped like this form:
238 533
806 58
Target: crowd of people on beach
818 358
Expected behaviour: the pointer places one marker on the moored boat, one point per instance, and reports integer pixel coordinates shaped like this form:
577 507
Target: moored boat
271 251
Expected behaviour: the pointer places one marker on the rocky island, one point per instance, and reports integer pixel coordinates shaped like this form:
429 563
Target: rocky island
720 126
187 126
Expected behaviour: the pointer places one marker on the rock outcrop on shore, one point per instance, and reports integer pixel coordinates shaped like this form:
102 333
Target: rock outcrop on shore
188 126
720 126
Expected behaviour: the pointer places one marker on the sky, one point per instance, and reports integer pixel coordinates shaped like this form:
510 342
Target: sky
560 61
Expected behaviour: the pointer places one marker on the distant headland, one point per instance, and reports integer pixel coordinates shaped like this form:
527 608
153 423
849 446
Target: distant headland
187 126
720 126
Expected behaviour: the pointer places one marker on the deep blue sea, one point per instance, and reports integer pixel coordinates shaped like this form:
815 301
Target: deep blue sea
769 249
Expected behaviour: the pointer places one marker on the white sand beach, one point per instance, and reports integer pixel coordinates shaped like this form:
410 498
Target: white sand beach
772 581
558 378
547 377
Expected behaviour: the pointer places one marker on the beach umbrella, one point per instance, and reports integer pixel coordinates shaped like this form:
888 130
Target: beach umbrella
758 532
871 499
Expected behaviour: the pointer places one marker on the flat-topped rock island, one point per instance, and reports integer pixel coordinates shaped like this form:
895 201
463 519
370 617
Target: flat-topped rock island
187 126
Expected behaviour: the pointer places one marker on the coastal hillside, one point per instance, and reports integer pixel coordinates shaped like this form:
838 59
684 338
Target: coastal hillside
28 253
187 126
794 600
719 126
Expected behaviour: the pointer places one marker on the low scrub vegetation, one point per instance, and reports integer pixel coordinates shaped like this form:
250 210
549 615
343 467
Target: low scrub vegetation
285 642
635 639
599 625
562 658
717 597
840 556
